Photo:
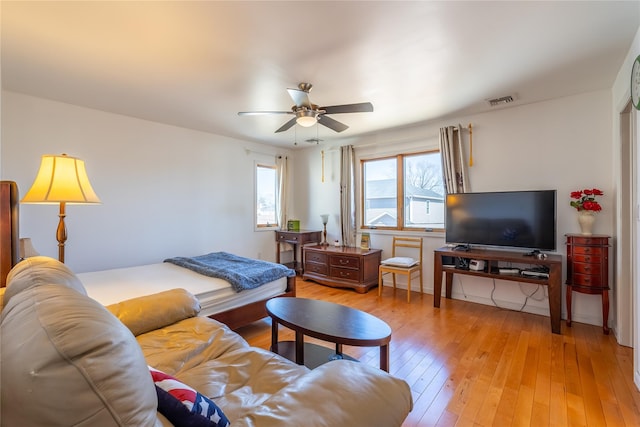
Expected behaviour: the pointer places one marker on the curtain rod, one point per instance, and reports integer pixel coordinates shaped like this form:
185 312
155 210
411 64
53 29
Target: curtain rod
249 150
372 144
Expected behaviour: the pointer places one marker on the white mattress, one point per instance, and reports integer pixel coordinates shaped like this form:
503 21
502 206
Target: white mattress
215 295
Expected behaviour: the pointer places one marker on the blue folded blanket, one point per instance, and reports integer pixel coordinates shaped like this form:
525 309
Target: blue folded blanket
242 273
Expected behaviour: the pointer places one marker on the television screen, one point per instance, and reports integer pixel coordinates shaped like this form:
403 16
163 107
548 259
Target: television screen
517 219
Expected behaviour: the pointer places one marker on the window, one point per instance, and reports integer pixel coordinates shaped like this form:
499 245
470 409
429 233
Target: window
403 192
266 196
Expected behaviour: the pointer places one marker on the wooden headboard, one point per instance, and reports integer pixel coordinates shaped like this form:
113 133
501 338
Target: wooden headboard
9 233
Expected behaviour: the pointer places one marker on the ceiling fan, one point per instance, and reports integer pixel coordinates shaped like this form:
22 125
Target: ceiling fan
308 114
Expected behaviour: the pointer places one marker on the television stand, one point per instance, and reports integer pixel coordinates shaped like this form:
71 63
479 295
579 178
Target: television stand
491 258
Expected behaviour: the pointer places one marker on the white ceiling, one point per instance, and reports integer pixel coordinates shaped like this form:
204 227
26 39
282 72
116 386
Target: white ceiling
196 64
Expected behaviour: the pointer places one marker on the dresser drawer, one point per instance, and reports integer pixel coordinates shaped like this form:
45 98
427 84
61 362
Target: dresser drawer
288 237
584 240
587 250
312 267
345 261
316 257
345 273
580 268
589 280
587 258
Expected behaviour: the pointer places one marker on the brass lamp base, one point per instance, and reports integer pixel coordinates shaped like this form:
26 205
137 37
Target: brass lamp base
324 236
61 232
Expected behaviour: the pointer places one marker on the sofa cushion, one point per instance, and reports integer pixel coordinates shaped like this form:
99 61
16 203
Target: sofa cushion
201 411
151 312
67 357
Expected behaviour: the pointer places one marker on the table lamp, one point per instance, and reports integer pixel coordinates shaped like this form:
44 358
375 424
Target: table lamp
61 179
325 220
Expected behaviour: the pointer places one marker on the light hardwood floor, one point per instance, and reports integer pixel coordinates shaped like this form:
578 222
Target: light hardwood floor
474 365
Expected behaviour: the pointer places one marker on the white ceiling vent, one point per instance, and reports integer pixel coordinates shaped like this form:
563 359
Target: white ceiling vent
494 102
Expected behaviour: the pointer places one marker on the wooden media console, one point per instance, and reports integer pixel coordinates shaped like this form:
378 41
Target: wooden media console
493 259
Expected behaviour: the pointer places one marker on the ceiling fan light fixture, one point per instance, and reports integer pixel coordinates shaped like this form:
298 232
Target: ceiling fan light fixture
306 118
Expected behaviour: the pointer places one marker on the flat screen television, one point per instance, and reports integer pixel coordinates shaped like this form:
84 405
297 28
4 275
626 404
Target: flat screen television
513 219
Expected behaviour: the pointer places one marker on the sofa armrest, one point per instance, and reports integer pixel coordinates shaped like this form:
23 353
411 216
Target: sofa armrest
150 312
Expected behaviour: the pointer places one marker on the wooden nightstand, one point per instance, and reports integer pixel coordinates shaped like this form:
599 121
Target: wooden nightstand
297 239
588 270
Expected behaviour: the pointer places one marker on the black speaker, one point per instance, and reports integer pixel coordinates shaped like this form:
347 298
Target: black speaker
449 260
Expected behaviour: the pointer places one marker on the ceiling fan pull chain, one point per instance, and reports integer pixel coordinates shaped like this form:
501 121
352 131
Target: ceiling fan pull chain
470 144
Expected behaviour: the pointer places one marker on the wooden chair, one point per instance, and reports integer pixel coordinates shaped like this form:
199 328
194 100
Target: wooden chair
399 263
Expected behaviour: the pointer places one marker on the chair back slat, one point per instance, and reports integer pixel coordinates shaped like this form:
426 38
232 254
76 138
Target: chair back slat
407 242
409 270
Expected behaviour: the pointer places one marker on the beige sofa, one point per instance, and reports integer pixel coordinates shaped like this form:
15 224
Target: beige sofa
67 360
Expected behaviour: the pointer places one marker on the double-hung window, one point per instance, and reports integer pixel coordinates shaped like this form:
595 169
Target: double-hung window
405 191
266 182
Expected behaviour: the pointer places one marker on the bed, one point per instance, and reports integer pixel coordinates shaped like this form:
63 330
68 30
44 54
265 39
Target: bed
217 298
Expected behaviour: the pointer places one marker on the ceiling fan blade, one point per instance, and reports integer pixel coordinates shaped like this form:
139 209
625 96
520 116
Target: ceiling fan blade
363 107
332 124
287 125
258 113
300 97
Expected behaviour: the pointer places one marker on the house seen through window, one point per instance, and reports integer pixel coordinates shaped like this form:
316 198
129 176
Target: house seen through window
403 192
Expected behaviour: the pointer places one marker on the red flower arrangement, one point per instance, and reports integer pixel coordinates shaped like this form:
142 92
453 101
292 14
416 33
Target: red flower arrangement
585 200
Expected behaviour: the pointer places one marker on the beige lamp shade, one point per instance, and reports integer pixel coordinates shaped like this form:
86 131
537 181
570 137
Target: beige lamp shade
61 179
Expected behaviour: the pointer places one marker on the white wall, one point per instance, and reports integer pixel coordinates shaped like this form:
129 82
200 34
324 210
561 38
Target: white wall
627 295
165 191
563 144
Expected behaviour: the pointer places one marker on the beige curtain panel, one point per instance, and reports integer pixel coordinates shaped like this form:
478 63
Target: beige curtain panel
347 195
282 190
453 164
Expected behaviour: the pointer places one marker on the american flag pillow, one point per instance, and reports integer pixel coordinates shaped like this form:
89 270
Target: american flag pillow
201 411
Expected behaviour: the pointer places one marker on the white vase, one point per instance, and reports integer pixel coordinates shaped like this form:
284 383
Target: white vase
586 220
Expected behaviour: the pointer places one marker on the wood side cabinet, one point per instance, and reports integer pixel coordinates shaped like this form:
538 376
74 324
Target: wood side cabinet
588 270
342 267
297 239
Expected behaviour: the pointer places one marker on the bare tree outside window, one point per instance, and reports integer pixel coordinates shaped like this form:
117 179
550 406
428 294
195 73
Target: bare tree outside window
423 191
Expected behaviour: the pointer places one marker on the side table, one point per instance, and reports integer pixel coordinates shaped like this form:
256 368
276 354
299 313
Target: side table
588 270
297 239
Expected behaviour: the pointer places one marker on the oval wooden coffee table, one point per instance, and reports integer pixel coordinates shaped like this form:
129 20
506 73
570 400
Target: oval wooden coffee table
328 322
